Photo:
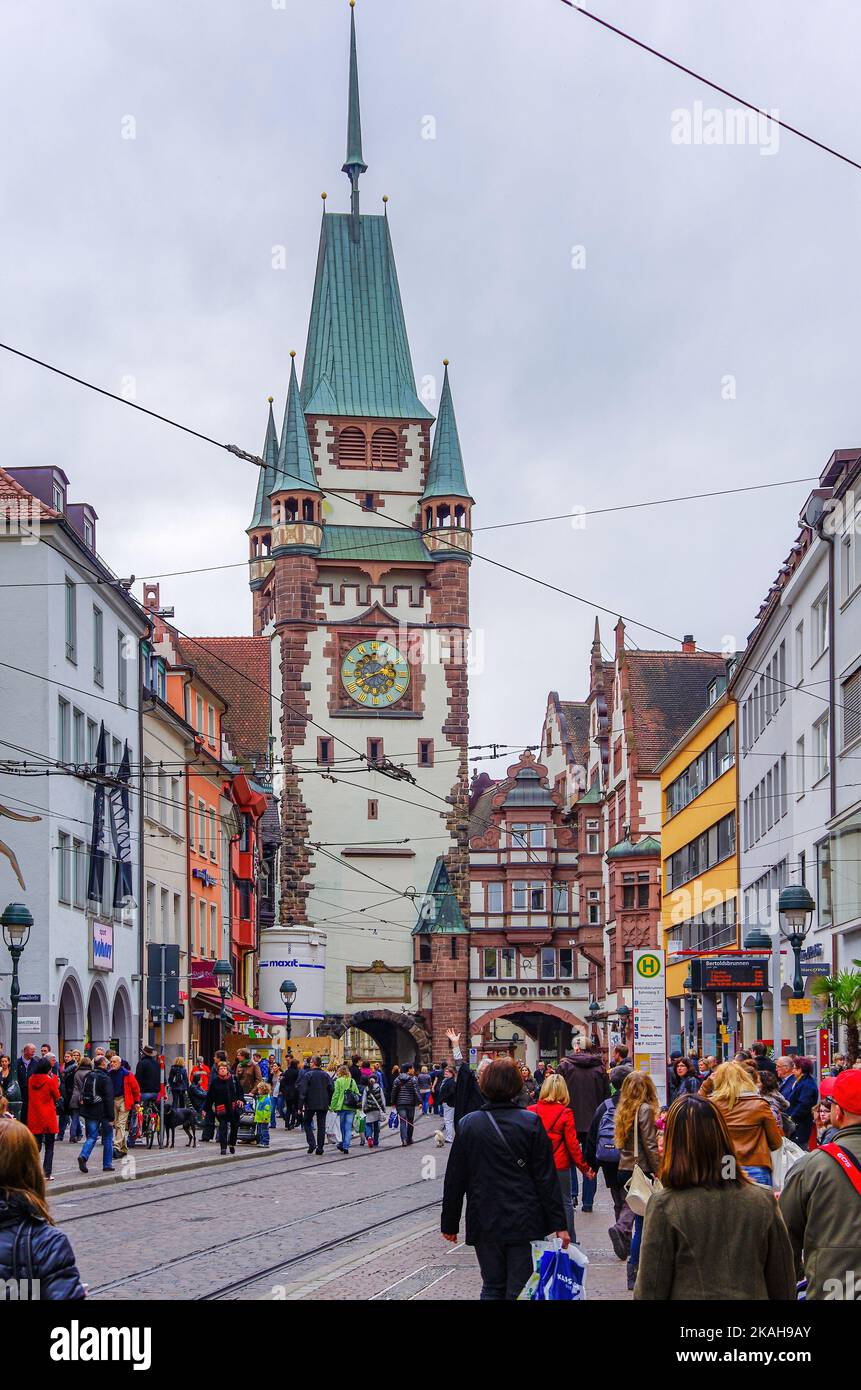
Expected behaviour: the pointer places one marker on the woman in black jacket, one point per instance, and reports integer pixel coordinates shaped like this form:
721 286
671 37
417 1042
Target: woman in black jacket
32 1250
290 1094
502 1162
224 1100
683 1081
178 1083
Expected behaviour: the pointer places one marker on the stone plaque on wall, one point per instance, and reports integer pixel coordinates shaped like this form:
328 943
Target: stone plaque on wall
370 983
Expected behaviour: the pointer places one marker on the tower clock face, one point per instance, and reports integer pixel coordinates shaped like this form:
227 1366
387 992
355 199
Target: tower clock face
375 674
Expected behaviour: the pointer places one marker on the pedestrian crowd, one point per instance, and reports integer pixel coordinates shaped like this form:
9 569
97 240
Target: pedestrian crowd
746 1184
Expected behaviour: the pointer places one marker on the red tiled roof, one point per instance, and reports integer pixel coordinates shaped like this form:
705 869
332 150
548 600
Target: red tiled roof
13 491
668 691
238 668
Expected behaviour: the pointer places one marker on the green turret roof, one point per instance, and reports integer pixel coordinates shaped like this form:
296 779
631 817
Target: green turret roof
357 360
446 477
266 477
626 849
295 464
440 911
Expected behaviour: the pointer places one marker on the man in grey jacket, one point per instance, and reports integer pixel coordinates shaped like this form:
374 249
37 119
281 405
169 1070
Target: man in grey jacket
821 1203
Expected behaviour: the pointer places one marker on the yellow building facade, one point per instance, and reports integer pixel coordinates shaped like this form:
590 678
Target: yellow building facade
699 864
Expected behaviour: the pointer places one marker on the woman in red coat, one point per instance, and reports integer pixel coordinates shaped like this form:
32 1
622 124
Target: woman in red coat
43 1095
555 1113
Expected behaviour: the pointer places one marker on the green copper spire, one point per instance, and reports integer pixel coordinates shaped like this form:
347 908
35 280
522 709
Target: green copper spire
266 476
446 477
354 165
295 468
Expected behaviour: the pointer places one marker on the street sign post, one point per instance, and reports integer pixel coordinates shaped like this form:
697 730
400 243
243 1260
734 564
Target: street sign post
650 1017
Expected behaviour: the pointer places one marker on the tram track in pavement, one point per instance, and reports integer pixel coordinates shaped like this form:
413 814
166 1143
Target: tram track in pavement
270 1271
295 1163
209 1250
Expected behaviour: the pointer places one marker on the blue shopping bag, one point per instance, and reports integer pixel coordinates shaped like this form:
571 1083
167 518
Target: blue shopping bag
561 1276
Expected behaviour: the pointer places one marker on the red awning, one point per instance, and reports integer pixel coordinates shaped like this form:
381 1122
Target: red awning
236 1006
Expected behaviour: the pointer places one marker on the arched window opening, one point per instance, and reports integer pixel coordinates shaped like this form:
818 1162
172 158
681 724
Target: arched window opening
384 449
291 508
443 515
460 515
308 509
352 446
428 518
267 542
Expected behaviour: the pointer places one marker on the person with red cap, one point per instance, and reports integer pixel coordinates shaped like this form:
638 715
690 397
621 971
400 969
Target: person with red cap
821 1201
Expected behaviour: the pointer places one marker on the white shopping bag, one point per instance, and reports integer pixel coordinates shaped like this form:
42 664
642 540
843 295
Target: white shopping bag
782 1160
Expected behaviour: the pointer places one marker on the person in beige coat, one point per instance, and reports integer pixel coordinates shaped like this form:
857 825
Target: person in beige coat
637 1142
710 1232
753 1130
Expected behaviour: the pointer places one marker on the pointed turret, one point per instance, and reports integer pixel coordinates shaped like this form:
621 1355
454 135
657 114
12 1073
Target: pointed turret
354 165
295 464
295 495
266 477
446 503
260 531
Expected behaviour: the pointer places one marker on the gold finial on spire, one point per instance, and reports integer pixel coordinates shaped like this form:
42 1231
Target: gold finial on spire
324 196
270 399
292 352
385 197
445 361
352 4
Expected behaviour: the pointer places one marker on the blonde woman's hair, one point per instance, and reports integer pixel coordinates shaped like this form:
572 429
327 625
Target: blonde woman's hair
638 1089
178 1062
554 1088
343 1070
730 1081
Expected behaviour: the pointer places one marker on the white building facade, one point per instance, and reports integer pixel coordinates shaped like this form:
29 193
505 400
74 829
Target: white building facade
70 637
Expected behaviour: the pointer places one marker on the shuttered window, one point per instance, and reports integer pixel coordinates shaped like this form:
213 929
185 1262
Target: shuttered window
352 446
384 449
852 708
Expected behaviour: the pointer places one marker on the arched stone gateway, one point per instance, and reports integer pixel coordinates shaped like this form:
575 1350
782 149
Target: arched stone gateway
98 1026
402 1038
121 1021
70 1016
553 1030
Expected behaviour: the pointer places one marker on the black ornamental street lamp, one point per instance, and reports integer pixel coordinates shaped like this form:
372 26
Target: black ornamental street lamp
795 909
223 973
288 996
16 921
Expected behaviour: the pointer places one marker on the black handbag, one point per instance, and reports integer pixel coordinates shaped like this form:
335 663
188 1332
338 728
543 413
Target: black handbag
351 1100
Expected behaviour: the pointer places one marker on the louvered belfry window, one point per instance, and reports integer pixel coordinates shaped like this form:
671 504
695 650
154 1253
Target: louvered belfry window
852 709
352 446
384 449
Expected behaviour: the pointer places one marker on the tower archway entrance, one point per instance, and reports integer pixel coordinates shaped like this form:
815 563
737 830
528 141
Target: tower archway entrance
401 1038
538 1032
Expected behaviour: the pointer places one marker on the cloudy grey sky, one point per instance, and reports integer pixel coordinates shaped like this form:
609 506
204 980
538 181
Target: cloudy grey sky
150 259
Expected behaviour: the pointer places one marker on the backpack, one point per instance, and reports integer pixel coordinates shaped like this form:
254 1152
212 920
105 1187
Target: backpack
89 1095
605 1148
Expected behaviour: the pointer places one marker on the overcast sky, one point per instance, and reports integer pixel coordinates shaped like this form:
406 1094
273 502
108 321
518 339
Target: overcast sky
147 264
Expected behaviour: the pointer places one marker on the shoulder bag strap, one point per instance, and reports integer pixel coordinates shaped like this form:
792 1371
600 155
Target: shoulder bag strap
848 1162
636 1137
521 1162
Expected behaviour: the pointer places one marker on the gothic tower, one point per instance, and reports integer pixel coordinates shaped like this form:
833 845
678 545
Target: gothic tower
360 547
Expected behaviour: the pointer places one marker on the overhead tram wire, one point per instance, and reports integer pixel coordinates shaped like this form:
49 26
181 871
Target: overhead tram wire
392 523
707 82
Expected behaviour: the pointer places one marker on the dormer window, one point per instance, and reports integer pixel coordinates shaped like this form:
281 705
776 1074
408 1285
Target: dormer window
59 496
88 534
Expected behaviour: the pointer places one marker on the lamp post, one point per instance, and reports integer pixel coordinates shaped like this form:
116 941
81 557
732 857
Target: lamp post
624 1014
288 996
16 921
795 909
691 1011
223 972
593 1015
757 940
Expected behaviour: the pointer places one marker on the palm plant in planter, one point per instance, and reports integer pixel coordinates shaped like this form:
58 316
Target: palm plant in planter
843 993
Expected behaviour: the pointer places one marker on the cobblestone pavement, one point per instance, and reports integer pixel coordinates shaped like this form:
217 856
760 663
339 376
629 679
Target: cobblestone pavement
283 1225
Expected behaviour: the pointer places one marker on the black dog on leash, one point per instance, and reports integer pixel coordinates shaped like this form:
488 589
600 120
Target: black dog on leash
183 1118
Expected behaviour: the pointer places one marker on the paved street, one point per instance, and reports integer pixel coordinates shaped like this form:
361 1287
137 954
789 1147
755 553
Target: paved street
283 1225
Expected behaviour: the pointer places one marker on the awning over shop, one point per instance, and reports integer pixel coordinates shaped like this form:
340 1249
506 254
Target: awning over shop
235 1006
